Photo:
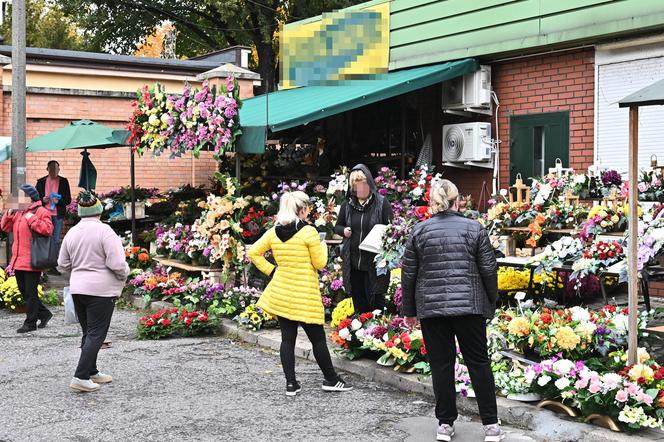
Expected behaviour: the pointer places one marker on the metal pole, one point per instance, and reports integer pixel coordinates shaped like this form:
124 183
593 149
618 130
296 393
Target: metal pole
18 96
133 198
633 224
403 138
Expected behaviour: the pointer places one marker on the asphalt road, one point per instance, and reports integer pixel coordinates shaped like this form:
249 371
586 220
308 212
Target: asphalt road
200 389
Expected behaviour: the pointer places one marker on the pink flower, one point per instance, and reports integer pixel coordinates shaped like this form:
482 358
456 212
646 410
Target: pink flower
645 398
643 187
582 383
594 387
622 396
632 389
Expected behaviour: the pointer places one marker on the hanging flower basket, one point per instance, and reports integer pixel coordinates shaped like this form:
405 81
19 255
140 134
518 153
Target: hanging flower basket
196 120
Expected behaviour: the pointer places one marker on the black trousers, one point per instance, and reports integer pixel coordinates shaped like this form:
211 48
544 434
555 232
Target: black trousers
27 285
94 314
470 332
316 334
363 300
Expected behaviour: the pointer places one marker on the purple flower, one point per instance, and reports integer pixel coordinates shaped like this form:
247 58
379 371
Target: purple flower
611 177
337 284
376 331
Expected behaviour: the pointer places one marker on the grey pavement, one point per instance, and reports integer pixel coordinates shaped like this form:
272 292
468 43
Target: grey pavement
199 389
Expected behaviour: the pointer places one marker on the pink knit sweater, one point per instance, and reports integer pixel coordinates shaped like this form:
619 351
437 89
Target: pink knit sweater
93 254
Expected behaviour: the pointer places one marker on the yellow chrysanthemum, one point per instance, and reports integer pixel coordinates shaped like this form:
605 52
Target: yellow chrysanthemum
519 327
567 339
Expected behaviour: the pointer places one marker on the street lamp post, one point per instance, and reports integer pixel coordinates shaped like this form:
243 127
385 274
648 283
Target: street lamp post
18 96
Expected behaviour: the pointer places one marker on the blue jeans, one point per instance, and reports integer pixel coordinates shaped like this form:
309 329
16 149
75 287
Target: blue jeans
57 231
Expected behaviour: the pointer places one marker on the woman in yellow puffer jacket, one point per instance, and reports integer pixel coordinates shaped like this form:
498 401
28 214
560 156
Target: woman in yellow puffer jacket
293 295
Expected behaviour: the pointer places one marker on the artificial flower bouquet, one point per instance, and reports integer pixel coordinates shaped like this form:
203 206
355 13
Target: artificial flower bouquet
255 318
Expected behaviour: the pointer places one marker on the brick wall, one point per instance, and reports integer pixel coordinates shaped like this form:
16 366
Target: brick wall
656 288
48 112
564 81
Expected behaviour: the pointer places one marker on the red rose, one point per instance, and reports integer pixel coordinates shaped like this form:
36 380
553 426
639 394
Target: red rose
344 323
611 254
165 322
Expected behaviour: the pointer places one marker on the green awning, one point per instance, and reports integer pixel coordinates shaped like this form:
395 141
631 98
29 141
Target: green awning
294 107
80 134
648 96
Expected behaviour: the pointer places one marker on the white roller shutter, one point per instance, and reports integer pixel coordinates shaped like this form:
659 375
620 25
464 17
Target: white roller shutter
614 82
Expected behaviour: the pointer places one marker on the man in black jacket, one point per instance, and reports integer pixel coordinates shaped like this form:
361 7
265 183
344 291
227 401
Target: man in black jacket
449 282
54 183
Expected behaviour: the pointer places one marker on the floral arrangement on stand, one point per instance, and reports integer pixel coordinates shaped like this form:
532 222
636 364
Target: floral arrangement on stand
599 255
602 219
192 121
633 396
220 225
576 332
393 245
651 185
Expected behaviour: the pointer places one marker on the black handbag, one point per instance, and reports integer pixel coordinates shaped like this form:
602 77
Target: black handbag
43 253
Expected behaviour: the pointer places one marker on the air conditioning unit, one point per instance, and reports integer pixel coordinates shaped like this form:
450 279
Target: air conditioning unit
472 92
467 142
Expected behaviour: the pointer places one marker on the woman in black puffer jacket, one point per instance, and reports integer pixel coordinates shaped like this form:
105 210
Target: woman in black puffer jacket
449 283
364 209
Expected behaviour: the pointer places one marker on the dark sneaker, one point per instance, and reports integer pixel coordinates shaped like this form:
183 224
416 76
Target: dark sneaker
45 320
493 433
338 385
445 432
293 389
26 328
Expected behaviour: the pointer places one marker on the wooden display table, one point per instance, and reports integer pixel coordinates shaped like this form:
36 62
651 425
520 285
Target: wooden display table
214 275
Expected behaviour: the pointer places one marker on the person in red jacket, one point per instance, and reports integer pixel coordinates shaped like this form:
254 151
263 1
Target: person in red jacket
22 222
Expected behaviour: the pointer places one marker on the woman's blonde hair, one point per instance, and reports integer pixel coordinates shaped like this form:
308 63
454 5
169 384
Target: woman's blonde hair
443 195
356 176
290 206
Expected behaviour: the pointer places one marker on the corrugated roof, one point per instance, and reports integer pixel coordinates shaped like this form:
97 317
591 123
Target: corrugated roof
648 96
111 61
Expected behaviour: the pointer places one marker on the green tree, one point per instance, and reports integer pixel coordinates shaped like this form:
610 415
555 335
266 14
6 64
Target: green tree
46 27
203 25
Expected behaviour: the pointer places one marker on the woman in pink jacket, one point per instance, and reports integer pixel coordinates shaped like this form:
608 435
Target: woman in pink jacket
23 223
93 256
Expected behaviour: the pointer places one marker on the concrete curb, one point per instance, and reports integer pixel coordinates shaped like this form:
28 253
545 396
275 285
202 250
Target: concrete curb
542 424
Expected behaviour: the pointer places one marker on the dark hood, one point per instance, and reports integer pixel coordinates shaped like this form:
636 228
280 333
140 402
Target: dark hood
284 233
370 179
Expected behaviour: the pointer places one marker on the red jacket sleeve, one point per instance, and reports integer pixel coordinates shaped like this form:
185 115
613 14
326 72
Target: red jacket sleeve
41 223
7 223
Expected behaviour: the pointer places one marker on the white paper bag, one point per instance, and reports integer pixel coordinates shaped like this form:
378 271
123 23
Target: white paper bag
374 240
70 310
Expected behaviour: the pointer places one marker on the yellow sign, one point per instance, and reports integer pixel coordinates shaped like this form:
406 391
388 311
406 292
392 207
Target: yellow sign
340 45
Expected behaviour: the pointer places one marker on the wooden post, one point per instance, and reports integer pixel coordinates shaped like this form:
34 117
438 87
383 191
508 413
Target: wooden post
193 169
632 262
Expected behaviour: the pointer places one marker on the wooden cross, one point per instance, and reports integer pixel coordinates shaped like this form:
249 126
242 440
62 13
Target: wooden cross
522 191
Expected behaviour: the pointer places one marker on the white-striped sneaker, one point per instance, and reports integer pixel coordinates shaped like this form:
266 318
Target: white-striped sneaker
445 432
101 378
338 385
83 385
